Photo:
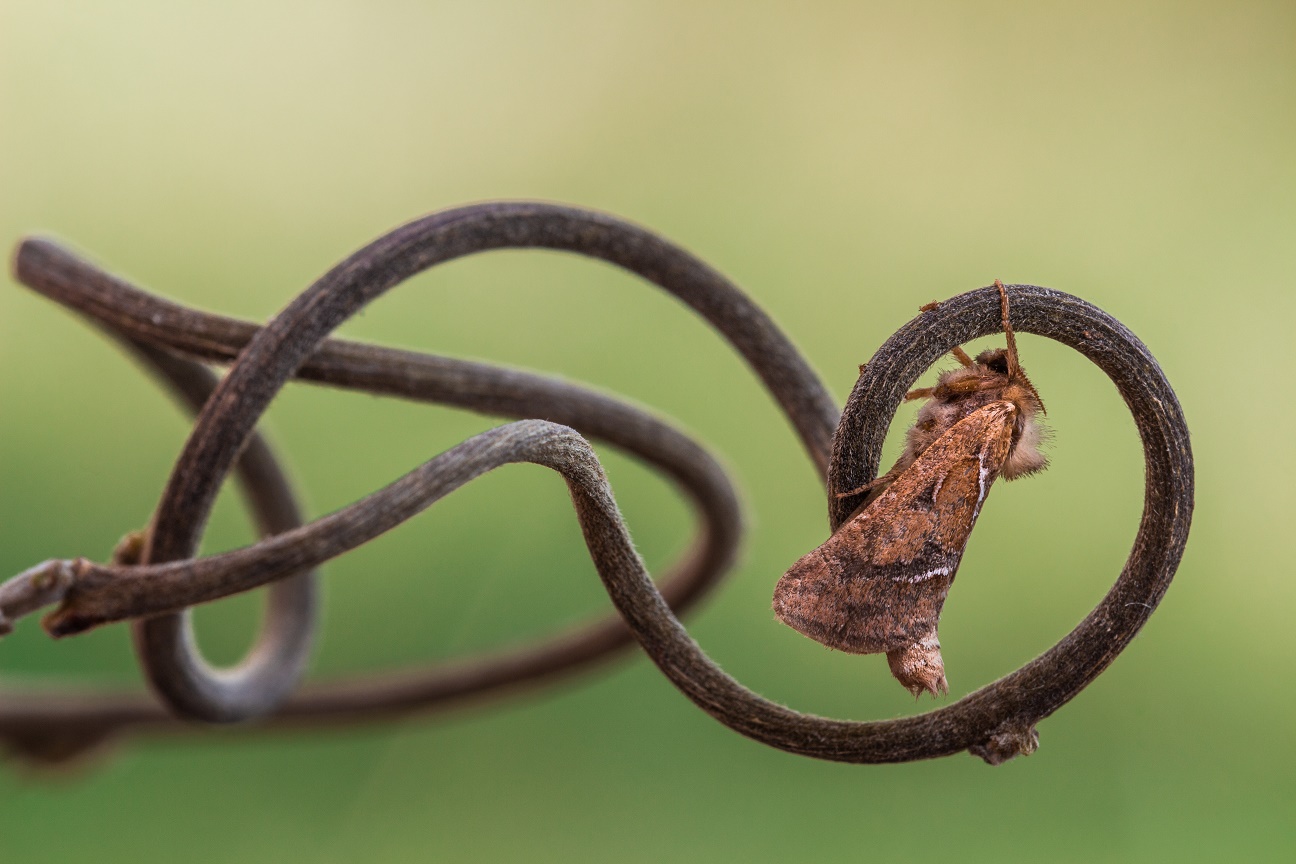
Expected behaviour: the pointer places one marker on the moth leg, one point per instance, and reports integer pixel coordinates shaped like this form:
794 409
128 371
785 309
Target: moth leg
961 355
920 393
872 484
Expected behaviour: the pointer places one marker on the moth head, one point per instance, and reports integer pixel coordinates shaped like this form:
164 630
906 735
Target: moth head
1000 371
995 360
1024 456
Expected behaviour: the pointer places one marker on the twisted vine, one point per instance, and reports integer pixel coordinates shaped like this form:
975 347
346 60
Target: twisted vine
152 582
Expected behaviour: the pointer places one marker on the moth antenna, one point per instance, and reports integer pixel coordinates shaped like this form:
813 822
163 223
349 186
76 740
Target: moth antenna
1013 367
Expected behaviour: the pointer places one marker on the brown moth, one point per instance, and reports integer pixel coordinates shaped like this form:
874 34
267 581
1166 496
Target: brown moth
879 582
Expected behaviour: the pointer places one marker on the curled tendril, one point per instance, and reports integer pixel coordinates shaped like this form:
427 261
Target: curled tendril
996 722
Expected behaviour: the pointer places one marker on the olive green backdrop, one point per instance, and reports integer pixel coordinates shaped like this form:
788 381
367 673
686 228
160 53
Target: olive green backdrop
844 163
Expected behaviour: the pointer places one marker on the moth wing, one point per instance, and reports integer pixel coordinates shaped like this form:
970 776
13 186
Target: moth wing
879 582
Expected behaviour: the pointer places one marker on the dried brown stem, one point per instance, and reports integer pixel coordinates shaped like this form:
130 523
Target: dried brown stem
996 722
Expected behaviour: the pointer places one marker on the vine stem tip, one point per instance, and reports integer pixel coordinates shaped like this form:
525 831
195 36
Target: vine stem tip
34 588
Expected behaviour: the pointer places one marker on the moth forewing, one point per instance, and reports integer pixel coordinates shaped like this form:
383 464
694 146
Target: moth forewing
879 582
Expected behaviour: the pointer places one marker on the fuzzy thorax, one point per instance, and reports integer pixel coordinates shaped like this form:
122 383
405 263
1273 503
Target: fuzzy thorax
959 392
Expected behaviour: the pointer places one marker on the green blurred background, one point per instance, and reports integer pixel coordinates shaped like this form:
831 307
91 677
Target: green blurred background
844 163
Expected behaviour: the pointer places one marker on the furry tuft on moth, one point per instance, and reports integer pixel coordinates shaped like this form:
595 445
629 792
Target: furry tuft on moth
879 582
